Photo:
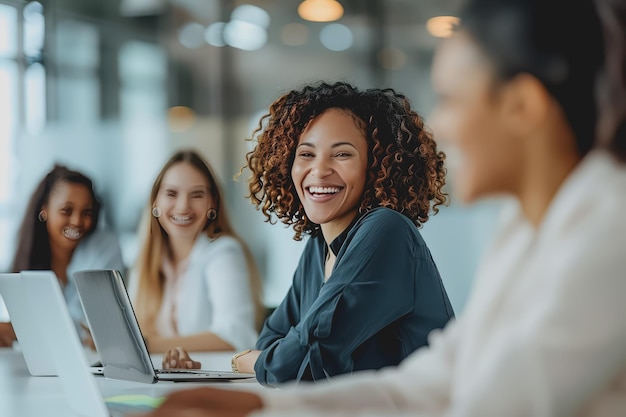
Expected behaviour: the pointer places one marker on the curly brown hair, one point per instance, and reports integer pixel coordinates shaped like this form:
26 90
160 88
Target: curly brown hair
405 170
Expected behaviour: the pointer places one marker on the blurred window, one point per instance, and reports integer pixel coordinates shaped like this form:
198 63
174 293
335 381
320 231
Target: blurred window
8 96
143 79
9 106
34 30
22 102
77 55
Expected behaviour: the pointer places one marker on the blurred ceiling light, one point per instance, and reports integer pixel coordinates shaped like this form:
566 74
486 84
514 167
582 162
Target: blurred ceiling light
191 35
294 34
336 37
391 58
244 35
213 35
251 14
180 118
441 26
320 10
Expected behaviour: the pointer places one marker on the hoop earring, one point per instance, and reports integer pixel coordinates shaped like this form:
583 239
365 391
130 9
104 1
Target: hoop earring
156 212
211 214
42 216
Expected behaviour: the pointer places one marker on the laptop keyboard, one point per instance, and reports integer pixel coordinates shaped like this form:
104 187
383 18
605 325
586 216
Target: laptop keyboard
181 371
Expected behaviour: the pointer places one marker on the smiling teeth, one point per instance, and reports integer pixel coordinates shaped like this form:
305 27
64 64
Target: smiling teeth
71 233
324 190
181 219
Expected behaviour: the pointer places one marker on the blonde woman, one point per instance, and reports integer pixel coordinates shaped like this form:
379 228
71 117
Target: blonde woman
195 284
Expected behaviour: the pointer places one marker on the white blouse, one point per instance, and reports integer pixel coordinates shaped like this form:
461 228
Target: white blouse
167 318
213 294
543 333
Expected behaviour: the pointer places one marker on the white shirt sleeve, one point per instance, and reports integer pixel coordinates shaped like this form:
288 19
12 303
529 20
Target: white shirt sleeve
558 355
230 295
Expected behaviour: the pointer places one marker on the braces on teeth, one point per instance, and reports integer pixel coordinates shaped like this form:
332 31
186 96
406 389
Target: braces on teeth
71 233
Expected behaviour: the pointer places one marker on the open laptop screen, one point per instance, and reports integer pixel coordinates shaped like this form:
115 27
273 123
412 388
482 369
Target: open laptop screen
114 327
117 336
42 293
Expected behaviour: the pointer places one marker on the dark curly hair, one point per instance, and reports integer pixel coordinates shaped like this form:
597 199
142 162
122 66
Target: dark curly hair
405 170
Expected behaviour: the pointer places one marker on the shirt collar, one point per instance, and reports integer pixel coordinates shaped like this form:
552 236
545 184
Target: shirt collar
337 243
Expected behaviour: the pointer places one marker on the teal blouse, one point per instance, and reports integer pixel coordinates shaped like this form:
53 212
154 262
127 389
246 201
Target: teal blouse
383 298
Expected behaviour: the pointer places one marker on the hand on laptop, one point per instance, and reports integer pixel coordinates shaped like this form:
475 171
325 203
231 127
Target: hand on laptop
86 337
178 358
7 335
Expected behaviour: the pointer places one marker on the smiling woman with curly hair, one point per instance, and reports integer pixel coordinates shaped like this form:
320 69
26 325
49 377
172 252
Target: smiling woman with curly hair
405 171
358 173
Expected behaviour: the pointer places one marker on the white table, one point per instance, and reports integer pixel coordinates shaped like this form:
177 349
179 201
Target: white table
22 395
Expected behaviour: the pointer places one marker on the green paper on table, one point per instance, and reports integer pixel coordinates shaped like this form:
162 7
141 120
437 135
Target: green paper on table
134 401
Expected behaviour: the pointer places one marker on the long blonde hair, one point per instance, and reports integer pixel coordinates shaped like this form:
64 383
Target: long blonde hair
149 295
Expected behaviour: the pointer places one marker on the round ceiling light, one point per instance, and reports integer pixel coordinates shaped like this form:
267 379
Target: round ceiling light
441 26
320 10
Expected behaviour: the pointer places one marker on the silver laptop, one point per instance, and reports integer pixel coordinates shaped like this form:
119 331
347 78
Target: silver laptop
41 293
117 336
23 319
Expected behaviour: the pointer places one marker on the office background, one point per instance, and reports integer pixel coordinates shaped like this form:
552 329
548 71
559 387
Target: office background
112 87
